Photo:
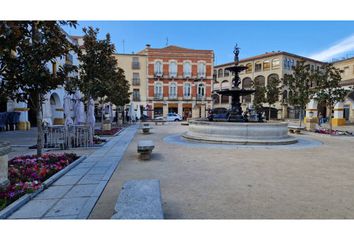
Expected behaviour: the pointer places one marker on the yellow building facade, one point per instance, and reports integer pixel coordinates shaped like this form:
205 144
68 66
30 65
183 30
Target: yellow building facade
347 65
261 68
135 70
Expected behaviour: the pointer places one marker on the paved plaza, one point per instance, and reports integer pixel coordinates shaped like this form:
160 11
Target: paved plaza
311 179
245 182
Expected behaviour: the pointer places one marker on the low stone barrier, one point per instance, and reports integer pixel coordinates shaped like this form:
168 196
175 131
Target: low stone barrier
139 199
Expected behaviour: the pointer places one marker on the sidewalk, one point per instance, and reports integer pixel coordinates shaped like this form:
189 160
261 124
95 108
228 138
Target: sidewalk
74 195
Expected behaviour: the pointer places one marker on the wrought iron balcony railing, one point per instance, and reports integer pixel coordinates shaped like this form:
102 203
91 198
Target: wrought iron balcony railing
158 96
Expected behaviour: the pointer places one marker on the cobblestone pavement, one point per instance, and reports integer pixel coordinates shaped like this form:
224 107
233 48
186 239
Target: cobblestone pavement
241 183
74 195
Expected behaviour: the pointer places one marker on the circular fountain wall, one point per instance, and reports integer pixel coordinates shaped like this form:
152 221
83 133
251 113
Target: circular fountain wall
239 133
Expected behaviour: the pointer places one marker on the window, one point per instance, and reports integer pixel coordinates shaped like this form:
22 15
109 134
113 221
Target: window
201 91
216 86
292 63
225 84
136 79
249 68
158 90
187 90
275 63
173 69
173 90
135 63
201 70
214 75
247 83
286 63
187 70
258 67
266 65
220 73
289 63
226 73
158 68
136 95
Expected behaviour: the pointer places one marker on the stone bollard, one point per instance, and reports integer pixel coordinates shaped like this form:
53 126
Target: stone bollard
4 150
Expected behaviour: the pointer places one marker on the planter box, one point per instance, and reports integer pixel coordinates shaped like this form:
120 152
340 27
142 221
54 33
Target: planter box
13 207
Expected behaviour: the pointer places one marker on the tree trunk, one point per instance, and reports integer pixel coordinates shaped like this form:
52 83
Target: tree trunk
300 117
330 118
39 126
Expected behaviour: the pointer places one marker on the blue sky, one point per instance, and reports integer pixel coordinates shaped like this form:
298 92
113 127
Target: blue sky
318 39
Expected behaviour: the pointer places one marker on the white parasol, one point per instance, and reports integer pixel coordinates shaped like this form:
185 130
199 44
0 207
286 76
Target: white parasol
91 120
131 112
110 112
47 113
138 112
67 110
79 109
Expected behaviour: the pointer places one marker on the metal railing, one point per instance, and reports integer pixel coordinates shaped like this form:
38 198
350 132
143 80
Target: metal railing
200 97
158 96
158 74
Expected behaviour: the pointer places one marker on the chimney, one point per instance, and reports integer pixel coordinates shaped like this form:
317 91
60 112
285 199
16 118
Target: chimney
148 45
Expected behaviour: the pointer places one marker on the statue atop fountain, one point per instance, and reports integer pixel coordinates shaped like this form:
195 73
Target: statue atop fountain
235 112
236 53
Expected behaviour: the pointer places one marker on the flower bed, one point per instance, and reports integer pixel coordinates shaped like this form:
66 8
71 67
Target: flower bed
27 173
333 132
107 132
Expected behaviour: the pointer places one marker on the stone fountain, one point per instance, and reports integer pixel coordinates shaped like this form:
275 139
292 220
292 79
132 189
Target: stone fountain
235 129
235 113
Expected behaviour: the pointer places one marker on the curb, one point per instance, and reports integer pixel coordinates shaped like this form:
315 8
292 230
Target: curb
13 207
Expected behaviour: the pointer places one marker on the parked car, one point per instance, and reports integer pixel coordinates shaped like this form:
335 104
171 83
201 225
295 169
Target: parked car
218 114
174 117
159 118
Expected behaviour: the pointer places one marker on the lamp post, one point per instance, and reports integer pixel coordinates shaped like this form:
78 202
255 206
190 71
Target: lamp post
196 81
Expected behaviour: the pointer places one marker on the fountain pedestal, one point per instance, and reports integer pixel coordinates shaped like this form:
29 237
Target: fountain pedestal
4 150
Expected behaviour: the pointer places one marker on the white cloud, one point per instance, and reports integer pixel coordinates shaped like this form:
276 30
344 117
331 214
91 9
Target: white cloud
341 47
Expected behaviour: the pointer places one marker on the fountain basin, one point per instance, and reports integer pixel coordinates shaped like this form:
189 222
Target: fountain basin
239 133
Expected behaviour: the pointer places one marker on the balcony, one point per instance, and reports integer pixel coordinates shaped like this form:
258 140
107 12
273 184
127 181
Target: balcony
187 74
201 75
173 74
200 97
172 97
187 97
135 65
136 98
158 96
158 74
136 81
